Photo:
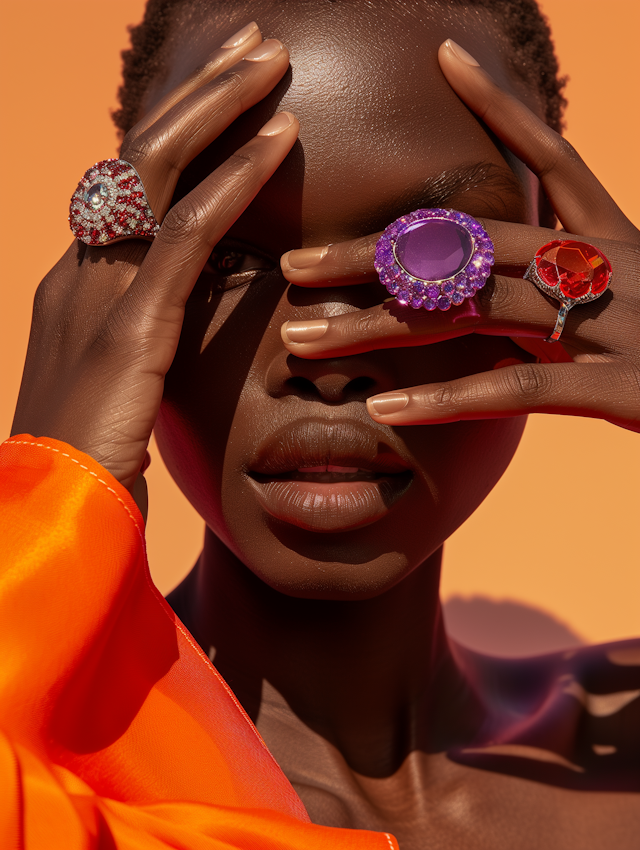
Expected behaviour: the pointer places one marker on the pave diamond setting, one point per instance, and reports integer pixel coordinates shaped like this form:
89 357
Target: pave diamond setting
434 258
109 204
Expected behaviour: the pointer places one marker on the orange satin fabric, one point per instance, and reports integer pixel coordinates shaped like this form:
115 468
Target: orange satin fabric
115 729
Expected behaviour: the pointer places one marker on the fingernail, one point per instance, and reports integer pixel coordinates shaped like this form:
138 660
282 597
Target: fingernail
277 124
382 405
302 258
460 53
241 36
267 50
303 331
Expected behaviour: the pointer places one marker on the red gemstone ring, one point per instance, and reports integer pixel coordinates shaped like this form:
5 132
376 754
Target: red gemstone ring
110 203
572 273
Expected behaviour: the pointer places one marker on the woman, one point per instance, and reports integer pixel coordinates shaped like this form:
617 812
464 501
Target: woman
316 591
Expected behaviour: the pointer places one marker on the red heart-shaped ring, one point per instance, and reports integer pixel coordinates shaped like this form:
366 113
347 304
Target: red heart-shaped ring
571 272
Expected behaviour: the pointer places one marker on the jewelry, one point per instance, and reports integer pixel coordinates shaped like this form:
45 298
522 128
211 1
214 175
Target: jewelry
434 258
110 203
572 273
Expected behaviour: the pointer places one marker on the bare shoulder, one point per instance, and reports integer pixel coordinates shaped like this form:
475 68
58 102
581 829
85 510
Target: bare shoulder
606 684
573 714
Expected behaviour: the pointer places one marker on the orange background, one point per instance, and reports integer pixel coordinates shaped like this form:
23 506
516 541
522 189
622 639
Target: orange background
560 532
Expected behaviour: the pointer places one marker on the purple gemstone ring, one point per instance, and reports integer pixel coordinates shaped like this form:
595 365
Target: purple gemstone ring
434 258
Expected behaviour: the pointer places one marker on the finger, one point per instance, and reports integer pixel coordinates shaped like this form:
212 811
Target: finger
350 263
342 264
232 51
196 223
504 307
601 390
160 153
580 201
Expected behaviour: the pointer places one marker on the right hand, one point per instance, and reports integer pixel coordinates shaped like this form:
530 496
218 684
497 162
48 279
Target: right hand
107 320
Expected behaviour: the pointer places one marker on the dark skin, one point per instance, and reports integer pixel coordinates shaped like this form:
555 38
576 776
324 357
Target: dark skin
326 621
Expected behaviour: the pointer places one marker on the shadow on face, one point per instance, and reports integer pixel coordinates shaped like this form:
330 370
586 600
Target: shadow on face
381 134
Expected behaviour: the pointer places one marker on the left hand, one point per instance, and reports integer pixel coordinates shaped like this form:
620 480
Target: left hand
600 375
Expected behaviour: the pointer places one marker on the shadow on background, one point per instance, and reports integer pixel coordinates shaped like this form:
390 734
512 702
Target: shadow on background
504 627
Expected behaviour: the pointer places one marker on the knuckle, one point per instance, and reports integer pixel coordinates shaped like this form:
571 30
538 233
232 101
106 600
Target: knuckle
555 149
362 324
230 88
360 251
231 81
530 382
240 162
137 149
442 396
182 222
498 299
234 177
492 296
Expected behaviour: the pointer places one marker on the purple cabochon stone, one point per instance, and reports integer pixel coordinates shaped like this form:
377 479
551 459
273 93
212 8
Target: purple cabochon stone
432 292
457 298
434 249
443 303
429 304
392 287
448 288
416 302
404 296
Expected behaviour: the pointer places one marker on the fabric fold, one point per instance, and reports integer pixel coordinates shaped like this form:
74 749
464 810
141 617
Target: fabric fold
115 729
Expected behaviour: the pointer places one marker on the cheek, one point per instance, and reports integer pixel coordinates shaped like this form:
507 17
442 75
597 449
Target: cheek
462 462
208 381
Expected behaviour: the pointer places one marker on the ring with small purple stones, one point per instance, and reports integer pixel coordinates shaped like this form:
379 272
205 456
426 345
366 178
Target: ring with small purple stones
110 203
434 258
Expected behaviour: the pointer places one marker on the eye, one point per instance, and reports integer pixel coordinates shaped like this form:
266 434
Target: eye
229 266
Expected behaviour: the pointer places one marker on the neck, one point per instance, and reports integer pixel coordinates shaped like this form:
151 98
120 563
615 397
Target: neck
376 677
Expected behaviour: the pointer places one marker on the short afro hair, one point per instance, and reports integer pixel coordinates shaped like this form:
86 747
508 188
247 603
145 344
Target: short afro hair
524 25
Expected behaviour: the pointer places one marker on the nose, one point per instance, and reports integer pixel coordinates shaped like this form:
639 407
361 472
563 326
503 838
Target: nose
336 381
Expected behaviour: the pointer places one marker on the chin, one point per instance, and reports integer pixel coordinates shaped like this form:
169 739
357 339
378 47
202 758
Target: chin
354 564
330 575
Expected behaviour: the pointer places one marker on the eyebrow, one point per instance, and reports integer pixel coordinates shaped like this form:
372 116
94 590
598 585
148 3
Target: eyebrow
496 187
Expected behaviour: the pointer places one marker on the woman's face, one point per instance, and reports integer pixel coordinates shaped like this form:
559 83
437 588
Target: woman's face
250 432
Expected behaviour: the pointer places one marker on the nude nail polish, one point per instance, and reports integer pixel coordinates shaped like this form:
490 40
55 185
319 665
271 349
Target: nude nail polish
241 36
277 124
267 50
383 405
461 54
309 331
303 258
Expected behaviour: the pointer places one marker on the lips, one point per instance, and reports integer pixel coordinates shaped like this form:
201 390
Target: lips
328 476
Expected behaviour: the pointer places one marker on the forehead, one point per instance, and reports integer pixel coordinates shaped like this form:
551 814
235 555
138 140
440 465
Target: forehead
381 131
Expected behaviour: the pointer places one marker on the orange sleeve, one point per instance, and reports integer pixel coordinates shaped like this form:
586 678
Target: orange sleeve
115 729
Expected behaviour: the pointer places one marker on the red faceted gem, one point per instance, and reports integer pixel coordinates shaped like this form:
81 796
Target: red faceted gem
577 267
